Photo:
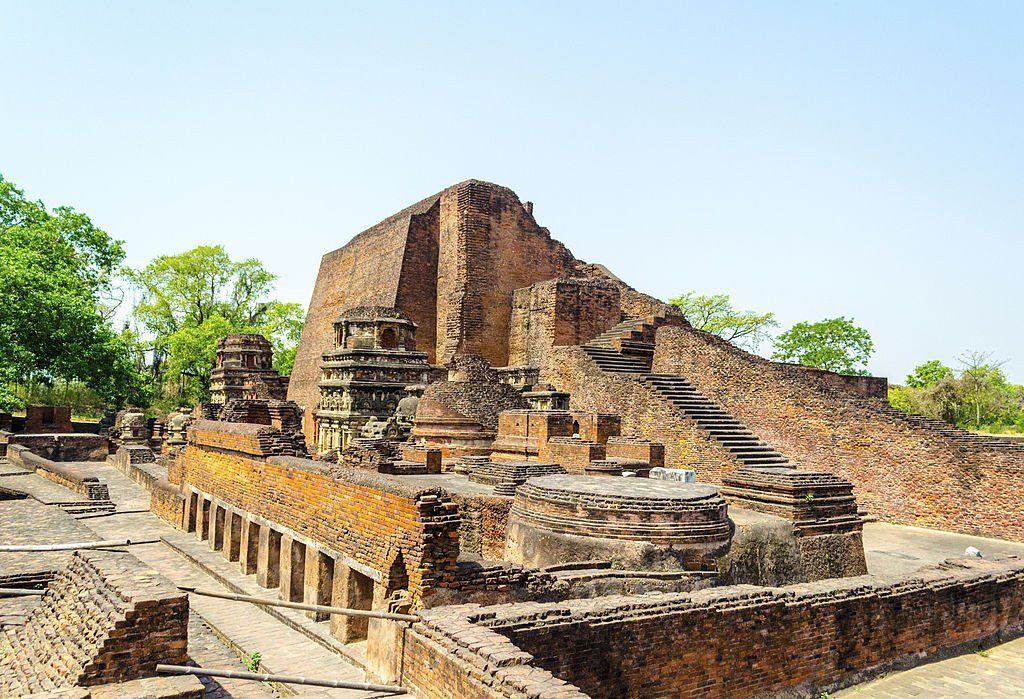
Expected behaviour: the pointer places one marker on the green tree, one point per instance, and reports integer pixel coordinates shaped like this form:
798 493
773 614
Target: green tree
833 344
716 314
56 269
191 300
985 384
928 374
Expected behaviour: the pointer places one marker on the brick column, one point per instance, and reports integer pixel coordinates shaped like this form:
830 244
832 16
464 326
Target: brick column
217 517
318 582
268 560
250 546
353 590
293 569
232 535
203 526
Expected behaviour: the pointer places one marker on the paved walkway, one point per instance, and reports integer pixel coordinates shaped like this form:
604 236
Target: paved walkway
996 673
243 628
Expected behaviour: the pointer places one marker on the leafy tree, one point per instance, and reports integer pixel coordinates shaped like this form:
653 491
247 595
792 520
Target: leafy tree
833 344
55 278
928 374
716 314
191 300
977 397
984 382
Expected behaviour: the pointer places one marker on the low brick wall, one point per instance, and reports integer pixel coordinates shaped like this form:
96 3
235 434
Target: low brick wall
89 486
903 471
139 463
105 618
738 641
64 447
373 519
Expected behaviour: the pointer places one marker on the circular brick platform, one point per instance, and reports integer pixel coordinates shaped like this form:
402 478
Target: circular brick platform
634 522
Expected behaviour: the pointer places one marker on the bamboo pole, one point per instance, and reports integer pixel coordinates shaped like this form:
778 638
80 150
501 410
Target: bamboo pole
6 548
300 605
283 679
19 592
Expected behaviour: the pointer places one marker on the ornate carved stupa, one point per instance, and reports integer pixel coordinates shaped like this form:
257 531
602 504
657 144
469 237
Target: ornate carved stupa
366 374
245 370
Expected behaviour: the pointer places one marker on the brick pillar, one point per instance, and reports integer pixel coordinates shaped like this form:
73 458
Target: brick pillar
217 517
203 528
250 546
353 590
268 560
232 535
318 582
293 569
191 511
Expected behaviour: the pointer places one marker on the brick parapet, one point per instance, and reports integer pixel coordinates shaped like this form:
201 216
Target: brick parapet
904 470
618 646
365 516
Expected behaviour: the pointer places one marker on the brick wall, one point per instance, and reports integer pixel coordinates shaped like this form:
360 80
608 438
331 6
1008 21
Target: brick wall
64 447
105 618
559 312
902 472
365 516
490 245
644 413
365 272
735 641
71 478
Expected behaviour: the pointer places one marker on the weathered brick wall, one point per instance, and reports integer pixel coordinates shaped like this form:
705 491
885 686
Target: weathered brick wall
644 413
140 464
64 447
490 245
105 618
902 473
70 478
750 641
370 518
559 312
365 272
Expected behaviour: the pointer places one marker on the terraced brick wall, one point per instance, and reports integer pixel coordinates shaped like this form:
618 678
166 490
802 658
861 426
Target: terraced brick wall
902 472
105 618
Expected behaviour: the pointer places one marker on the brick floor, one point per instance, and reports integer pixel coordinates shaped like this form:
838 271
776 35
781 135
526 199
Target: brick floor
997 673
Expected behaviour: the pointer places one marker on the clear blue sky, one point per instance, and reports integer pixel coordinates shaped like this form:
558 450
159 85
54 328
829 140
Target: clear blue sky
816 159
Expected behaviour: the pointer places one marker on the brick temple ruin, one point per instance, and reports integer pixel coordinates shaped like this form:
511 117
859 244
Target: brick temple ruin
569 491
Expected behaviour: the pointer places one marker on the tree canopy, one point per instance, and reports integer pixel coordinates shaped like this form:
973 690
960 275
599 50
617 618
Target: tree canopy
716 314
976 396
55 276
189 301
833 344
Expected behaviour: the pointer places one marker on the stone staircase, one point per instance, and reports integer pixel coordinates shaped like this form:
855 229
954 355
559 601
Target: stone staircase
633 338
745 446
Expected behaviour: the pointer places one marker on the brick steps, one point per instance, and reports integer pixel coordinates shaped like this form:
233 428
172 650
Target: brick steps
725 429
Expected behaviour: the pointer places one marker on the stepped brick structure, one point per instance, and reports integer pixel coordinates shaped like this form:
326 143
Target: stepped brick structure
104 619
451 263
245 370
